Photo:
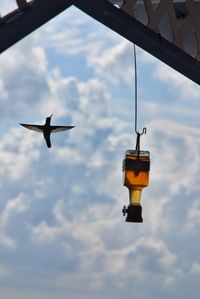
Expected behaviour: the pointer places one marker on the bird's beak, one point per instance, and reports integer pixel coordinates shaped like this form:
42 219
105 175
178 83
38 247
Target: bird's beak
51 115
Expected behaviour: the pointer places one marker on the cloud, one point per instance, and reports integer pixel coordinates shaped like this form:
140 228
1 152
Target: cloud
115 63
177 82
174 175
62 93
23 71
43 232
193 215
11 208
80 37
171 142
17 152
195 268
140 259
4 94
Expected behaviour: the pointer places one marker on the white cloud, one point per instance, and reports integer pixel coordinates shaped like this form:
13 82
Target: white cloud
176 160
17 152
62 93
45 233
15 205
115 63
4 94
177 82
174 175
144 257
193 215
73 156
195 269
23 72
11 208
110 57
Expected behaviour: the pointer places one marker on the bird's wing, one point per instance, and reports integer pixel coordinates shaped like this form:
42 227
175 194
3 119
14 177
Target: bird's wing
36 128
55 129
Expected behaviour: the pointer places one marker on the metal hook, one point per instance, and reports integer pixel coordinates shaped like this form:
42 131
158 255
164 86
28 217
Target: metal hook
137 147
144 131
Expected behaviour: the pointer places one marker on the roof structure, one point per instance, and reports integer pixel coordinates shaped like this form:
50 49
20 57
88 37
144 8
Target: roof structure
167 29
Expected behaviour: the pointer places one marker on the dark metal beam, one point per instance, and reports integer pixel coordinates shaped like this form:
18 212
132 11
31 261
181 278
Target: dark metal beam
136 32
21 22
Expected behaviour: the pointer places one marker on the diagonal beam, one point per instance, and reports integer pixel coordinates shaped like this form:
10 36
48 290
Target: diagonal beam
27 18
136 32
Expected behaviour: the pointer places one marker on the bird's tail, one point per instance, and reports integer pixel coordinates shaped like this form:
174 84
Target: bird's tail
48 141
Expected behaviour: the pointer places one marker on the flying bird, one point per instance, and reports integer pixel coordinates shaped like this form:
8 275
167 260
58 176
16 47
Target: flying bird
47 129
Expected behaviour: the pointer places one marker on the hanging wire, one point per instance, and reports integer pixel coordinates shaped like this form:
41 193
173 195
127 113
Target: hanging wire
136 105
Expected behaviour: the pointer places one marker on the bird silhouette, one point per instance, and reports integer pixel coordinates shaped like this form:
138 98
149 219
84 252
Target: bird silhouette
47 129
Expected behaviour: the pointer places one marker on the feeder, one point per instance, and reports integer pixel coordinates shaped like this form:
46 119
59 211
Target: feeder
136 166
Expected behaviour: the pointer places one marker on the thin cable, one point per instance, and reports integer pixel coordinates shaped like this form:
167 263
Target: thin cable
136 105
135 64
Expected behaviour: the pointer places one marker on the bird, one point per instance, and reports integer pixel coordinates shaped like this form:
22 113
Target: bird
47 129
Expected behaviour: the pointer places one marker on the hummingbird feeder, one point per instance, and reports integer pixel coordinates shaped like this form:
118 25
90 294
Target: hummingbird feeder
136 167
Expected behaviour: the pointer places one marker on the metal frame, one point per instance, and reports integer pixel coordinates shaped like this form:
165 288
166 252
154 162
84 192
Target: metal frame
20 23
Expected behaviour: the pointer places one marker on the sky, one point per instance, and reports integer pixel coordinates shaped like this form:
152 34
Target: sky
62 232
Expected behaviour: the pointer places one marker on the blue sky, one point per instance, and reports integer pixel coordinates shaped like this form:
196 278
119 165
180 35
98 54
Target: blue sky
62 234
